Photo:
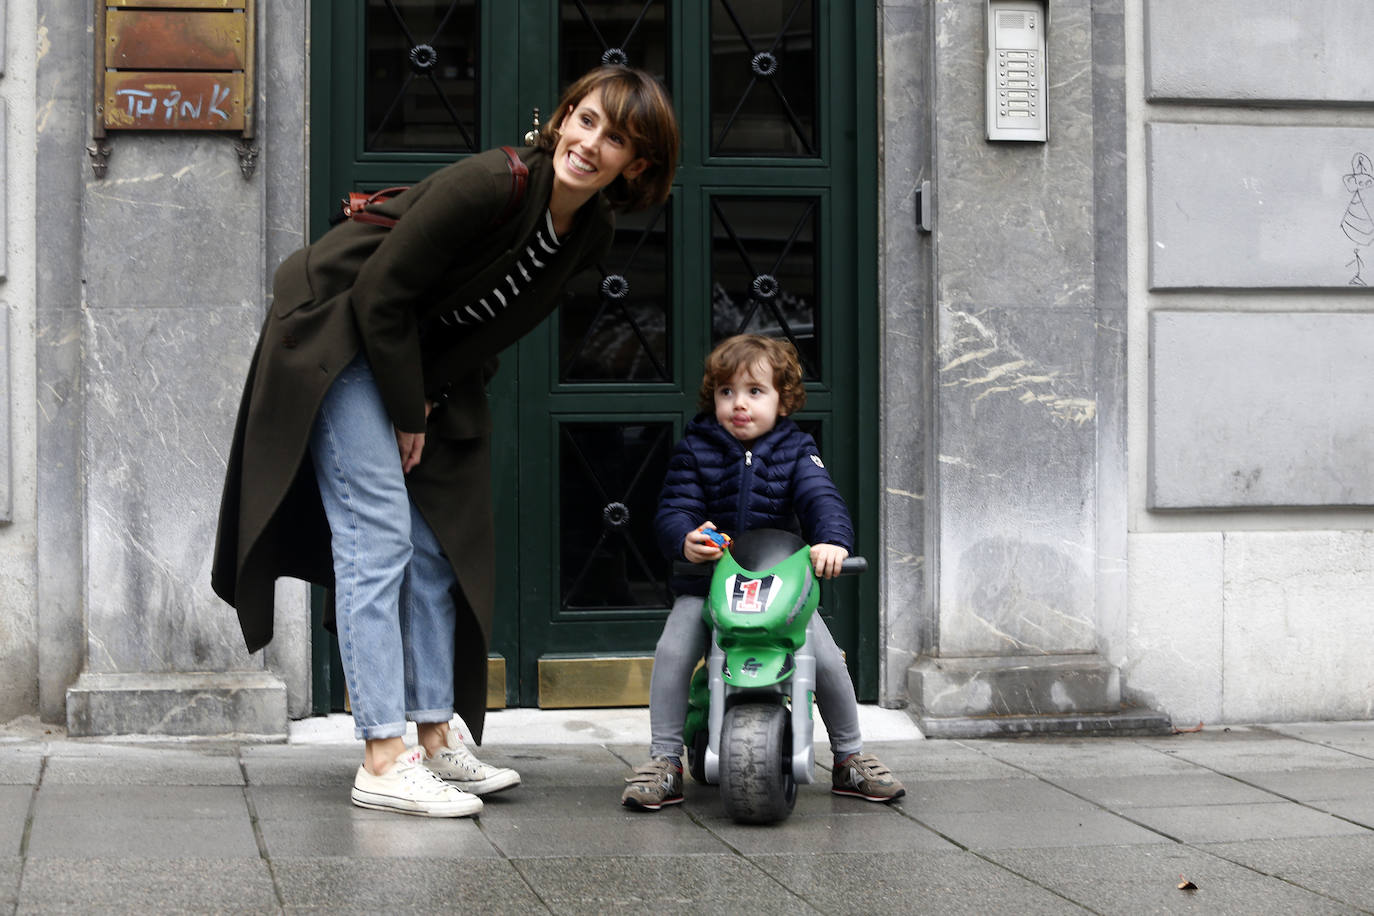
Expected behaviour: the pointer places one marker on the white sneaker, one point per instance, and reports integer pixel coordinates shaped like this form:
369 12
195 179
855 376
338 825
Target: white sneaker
408 787
456 764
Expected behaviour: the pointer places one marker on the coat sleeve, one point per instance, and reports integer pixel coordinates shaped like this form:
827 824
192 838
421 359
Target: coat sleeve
681 503
446 217
820 507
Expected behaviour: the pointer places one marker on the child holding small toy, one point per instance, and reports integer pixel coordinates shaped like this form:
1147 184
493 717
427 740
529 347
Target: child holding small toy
742 464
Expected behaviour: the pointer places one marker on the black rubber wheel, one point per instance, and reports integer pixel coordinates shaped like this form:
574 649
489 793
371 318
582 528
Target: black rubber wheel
696 757
756 784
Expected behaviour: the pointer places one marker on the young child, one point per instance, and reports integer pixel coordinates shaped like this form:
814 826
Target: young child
743 465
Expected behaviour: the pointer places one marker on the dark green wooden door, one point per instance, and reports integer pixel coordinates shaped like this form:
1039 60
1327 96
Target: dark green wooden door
770 229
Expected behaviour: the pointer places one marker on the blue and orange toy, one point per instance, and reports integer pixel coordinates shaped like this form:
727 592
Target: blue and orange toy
719 538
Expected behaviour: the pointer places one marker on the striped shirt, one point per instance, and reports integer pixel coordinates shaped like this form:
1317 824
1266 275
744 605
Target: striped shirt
542 247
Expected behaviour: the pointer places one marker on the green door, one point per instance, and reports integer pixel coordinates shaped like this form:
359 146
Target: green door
770 229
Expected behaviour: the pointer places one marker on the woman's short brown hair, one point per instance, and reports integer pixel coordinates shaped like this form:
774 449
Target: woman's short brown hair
745 351
637 104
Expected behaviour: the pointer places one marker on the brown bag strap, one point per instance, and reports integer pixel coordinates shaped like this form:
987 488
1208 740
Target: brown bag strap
356 205
519 177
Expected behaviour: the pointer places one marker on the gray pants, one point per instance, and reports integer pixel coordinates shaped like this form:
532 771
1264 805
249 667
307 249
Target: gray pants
682 645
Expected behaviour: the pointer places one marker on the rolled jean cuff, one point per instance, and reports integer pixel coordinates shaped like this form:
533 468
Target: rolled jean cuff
429 716
379 732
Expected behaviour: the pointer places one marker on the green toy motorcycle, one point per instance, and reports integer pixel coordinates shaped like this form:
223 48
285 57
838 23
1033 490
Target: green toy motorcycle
749 722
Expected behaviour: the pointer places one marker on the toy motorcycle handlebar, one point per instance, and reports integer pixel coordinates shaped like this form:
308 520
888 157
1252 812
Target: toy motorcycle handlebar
851 566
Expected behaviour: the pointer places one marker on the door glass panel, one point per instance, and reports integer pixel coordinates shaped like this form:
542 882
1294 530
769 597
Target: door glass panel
632 33
609 478
764 278
420 85
764 78
614 325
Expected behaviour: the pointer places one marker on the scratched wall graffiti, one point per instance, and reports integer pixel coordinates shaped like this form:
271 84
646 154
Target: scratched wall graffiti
1358 223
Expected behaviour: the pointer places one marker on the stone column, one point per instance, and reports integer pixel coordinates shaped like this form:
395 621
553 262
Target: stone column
148 317
1027 350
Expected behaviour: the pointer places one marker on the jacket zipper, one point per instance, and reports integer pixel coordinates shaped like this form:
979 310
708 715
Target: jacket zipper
745 484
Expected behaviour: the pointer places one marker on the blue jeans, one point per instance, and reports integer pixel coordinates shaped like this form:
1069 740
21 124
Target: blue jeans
392 583
683 643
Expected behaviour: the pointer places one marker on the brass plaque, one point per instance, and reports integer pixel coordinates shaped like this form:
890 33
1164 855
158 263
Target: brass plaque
496 682
174 101
579 683
175 40
177 4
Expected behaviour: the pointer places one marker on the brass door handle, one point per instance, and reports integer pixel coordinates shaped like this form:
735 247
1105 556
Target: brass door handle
532 134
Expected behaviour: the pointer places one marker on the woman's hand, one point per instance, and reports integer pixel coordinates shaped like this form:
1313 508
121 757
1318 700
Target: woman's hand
826 558
411 445
698 548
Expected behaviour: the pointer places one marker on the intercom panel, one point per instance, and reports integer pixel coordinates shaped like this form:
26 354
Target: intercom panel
1016 69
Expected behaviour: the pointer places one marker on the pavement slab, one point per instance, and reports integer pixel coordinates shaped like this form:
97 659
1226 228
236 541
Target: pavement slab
942 883
14 813
1224 823
1339 868
10 869
364 885
527 833
136 885
713 883
1145 879
154 837
828 833
20 764
1194 786
143 766
395 837
1037 829
1262 820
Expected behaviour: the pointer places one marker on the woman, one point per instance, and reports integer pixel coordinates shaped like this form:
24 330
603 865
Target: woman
361 454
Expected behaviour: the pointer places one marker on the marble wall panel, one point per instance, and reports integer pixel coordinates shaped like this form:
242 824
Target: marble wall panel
1109 276
6 448
1298 644
1172 649
1245 206
283 170
1256 409
173 223
1257 51
1016 477
906 622
61 165
162 395
1015 219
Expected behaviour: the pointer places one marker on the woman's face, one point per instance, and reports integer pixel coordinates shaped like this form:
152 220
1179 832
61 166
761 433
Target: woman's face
591 152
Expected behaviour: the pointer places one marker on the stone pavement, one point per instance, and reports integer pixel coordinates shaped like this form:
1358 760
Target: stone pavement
1276 819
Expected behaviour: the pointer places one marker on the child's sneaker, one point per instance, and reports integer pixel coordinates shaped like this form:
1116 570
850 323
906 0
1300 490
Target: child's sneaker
655 784
456 764
864 776
409 788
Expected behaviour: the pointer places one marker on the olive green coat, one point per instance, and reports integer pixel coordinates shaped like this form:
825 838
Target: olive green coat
365 286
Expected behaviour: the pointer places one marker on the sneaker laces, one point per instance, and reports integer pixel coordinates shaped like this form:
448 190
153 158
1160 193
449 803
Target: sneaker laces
458 754
415 774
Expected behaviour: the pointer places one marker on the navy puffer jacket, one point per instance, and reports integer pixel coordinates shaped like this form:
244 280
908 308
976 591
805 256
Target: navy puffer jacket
778 482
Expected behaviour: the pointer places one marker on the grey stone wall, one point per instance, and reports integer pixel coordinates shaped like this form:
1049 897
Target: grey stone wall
144 349
1015 353
1026 545
1250 572
1258 50
1251 409
905 78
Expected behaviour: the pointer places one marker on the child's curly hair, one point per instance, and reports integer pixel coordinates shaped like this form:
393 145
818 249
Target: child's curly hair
744 351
